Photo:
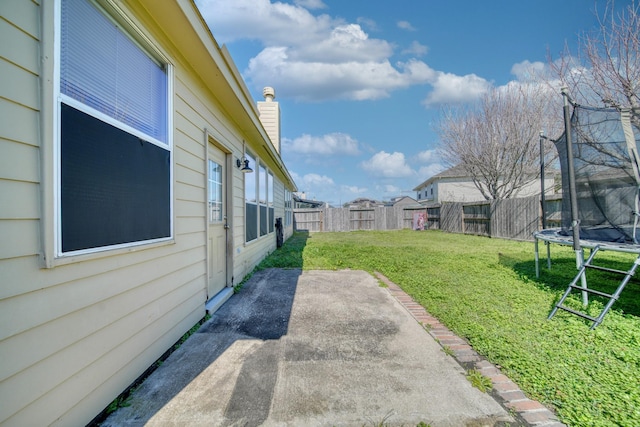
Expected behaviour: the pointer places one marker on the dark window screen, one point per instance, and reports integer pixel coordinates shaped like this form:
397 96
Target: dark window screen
263 220
272 220
115 187
251 221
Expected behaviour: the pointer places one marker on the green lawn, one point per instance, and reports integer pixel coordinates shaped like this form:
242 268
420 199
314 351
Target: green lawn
486 291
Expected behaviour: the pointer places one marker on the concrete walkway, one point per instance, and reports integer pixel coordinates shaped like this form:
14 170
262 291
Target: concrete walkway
318 348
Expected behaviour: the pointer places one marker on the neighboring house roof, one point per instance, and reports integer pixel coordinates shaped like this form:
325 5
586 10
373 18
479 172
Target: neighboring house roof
458 171
310 203
364 203
403 201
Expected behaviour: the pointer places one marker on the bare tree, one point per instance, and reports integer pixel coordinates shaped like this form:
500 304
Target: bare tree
606 69
497 140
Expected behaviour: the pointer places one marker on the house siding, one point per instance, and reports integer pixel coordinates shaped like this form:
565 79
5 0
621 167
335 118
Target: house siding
76 332
19 174
96 322
452 189
461 190
456 190
196 115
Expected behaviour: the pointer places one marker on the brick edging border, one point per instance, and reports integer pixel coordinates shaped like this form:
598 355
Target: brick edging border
505 391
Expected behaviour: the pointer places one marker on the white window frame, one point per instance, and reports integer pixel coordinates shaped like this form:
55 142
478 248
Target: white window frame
253 162
129 28
261 200
215 200
271 212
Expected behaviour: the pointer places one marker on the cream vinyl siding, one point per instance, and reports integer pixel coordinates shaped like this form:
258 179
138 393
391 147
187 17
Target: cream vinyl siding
199 110
278 200
19 138
278 195
76 335
456 190
76 332
464 190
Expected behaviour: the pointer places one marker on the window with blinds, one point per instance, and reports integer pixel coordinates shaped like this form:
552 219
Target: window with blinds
115 150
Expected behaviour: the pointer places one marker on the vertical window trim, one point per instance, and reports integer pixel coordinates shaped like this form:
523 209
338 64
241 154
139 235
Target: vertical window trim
254 175
120 18
271 209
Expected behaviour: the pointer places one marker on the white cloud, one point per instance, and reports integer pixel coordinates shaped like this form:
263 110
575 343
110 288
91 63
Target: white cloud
418 71
416 49
426 172
272 23
405 25
390 189
314 180
344 44
450 88
428 156
526 70
316 81
536 77
353 189
313 184
388 165
430 164
315 57
330 144
323 188
311 4
367 23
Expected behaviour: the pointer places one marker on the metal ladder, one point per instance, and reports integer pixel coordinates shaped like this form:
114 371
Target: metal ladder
612 297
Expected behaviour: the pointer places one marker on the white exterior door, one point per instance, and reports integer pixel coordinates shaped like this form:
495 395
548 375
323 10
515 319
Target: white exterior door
217 221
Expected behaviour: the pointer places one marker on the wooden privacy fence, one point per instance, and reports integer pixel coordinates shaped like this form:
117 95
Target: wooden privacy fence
510 218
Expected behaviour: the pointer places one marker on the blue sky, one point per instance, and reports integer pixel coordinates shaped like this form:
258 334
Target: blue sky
361 82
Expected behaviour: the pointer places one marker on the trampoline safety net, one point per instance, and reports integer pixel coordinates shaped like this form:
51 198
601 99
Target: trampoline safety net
607 182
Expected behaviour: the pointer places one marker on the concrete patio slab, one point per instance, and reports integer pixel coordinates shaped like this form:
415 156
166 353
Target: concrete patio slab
312 348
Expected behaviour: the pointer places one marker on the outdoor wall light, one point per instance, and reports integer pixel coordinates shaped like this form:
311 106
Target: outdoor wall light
243 165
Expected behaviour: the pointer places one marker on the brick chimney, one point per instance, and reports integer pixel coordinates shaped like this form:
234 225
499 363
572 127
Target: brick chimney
270 116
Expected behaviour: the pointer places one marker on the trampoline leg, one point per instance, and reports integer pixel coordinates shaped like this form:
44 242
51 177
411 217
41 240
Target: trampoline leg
583 278
535 249
548 245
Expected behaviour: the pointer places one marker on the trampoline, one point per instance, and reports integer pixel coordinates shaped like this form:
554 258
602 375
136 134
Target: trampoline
601 188
555 236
